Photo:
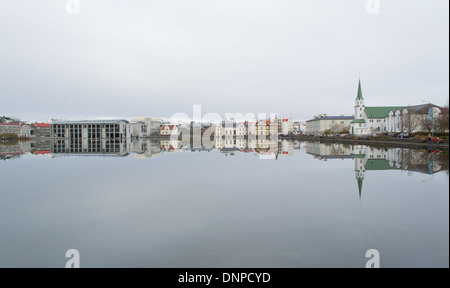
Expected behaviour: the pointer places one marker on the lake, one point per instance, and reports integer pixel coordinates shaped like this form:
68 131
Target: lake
165 204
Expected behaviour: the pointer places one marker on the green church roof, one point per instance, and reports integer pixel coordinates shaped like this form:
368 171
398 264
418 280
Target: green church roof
359 155
380 112
358 121
378 164
359 97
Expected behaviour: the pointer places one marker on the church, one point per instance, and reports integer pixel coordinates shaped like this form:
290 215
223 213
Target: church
396 119
369 120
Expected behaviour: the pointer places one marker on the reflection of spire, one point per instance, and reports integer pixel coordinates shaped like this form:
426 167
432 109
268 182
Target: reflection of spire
360 185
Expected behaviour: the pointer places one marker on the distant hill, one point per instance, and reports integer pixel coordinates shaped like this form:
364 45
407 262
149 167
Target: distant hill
5 119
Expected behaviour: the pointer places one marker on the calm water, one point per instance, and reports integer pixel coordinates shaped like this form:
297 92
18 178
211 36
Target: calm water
154 204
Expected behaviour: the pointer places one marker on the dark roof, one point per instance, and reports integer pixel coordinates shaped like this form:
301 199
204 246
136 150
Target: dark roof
333 118
421 109
227 125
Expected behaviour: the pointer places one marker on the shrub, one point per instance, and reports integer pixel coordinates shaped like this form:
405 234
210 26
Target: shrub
9 136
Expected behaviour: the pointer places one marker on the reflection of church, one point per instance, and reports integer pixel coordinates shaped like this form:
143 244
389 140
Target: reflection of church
377 159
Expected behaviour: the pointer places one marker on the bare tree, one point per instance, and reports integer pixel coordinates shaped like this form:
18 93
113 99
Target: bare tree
425 123
409 122
442 122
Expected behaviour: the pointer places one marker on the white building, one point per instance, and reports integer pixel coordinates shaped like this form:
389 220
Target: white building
138 129
379 120
411 119
285 125
323 124
153 125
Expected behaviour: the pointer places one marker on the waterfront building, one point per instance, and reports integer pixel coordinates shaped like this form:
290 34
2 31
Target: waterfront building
91 129
285 125
27 131
152 125
41 129
13 128
413 119
395 119
138 129
266 128
324 124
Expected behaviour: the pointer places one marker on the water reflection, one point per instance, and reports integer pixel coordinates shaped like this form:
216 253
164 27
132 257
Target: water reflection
366 158
371 159
225 207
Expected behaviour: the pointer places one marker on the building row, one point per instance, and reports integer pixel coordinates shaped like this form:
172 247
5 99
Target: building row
26 130
373 120
261 127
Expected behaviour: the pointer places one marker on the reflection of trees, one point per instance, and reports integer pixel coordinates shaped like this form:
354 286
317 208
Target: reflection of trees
419 160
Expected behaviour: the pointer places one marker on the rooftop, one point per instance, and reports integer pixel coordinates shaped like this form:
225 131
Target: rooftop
10 124
332 118
42 125
381 112
70 122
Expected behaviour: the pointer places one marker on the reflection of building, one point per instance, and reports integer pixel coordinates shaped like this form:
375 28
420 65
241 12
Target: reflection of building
86 147
16 149
170 145
145 148
324 151
169 129
377 159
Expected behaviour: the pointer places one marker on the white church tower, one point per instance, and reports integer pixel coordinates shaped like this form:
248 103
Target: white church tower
359 104
358 125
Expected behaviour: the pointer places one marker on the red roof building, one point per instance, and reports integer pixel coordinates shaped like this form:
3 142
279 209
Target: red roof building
42 125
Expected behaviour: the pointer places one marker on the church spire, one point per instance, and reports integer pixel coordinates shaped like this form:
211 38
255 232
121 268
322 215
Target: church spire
359 97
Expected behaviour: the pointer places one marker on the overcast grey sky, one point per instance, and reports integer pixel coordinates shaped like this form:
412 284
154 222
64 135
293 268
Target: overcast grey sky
125 58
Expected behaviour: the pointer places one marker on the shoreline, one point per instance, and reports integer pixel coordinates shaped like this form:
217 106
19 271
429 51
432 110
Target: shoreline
413 143
375 142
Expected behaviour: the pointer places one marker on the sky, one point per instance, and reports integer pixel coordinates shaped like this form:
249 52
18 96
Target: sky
298 58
